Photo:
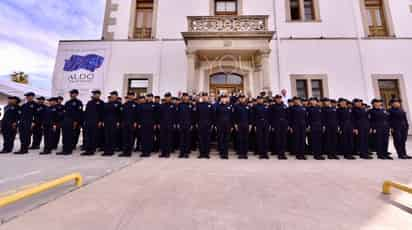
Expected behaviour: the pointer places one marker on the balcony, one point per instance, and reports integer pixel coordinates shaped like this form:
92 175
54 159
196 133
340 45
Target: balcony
245 26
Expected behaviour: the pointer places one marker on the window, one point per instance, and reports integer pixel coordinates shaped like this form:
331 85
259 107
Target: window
226 7
302 10
143 19
375 18
307 86
138 86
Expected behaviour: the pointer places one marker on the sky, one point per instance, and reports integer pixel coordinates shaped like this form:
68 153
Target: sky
30 31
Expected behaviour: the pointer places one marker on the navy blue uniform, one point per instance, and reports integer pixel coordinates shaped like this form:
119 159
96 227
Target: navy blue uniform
60 112
38 126
261 123
330 127
147 112
379 123
73 112
9 126
346 145
28 111
50 118
167 121
297 122
156 143
360 121
112 119
93 118
129 126
243 120
314 121
224 124
185 121
279 125
399 124
205 115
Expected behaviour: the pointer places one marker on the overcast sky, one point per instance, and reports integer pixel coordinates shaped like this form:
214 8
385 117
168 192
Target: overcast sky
30 31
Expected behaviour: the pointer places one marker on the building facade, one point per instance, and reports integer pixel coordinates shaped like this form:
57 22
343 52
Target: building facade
335 48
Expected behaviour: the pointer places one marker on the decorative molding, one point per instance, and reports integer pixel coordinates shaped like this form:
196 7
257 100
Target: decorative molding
410 8
114 7
252 23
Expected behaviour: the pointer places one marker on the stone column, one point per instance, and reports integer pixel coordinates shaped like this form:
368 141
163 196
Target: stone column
265 67
191 70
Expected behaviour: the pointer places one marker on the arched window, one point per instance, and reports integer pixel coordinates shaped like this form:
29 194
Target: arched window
225 79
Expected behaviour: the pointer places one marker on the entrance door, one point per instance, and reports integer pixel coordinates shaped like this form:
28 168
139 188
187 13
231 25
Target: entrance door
138 86
226 83
389 89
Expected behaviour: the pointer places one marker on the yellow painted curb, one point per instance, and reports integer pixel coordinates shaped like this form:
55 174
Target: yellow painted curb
387 185
41 188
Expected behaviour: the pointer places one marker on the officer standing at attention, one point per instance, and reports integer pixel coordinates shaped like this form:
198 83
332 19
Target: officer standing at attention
360 121
297 124
73 111
167 121
399 126
9 123
330 129
315 128
205 115
260 120
60 112
224 113
129 124
93 121
38 127
28 111
379 124
147 113
345 129
156 143
279 125
243 124
49 121
111 119
185 120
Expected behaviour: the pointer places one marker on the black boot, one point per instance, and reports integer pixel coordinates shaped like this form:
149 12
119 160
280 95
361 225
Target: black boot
349 157
282 157
319 158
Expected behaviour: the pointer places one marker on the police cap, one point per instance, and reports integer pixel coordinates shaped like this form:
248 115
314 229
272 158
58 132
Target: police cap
278 96
74 91
393 100
168 94
149 95
296 98
114 93
41 98
96 91
357 100
376 100
30 94
313 99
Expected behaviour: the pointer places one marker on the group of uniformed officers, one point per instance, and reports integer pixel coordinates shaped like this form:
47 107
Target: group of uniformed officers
263 125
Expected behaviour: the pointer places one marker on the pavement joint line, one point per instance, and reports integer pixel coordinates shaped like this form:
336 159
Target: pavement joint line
20 176
70 190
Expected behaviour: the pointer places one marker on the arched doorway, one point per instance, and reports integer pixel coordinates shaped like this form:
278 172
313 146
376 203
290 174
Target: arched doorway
226 83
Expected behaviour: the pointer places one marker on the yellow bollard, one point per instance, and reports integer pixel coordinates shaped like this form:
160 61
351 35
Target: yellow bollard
41 188
387 185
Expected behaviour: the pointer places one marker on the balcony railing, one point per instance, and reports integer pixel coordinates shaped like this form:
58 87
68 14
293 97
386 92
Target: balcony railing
252 23
142 33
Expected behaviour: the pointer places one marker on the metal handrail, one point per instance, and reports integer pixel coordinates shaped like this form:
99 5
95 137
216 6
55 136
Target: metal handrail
41 188
387 185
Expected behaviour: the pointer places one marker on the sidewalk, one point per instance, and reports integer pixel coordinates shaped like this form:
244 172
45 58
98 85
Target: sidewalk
213 194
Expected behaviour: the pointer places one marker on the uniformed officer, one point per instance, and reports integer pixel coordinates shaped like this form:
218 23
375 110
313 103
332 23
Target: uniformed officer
315 128
156 143
60 112
224 113
167 121
38 126
9 123
205 115
147 113
73 111
243 125
28 111
260 120
399 126
93 121
49 122
279 127
297 124
330 129
129 124
345 129
360 121
111 119
185 121
379 124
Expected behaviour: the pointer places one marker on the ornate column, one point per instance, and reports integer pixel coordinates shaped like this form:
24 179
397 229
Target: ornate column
265 67
191 70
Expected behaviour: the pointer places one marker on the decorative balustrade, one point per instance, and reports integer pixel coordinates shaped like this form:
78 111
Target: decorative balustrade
244 23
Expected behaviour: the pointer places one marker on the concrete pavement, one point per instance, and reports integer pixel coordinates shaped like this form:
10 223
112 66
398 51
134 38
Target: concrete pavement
214 194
